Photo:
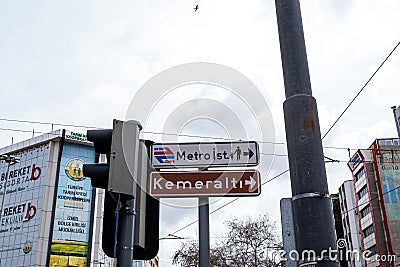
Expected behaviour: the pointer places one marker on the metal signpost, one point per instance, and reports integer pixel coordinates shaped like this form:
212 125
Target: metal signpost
204 183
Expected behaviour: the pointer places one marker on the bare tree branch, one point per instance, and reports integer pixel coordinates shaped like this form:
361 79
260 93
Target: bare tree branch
249 242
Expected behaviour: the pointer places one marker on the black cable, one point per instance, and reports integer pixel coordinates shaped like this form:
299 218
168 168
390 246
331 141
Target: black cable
228 203
210 137
362 89
377 197
150 132
15 130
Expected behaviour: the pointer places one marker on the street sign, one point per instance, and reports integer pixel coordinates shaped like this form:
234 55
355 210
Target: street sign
205 183
181 155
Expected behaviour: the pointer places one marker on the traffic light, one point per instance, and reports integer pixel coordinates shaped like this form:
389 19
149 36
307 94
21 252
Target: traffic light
117 176
120 145
147 210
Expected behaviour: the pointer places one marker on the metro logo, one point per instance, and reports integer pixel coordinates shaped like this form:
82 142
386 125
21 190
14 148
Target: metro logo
164 154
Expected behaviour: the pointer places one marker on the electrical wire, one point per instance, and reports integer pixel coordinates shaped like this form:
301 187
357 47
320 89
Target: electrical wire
15 130
46 123
228 203
149 132
196 136
273 178
362 89
377 197
144 132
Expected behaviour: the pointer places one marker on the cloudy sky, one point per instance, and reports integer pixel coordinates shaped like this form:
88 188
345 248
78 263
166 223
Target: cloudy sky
82 63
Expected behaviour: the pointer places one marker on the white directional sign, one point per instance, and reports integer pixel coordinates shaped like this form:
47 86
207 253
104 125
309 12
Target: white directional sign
180 155
205 183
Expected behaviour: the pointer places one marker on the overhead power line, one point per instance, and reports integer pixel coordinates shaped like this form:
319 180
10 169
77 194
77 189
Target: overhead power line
148 132
369 201
362 89
46 123
228 203
145 132
340 116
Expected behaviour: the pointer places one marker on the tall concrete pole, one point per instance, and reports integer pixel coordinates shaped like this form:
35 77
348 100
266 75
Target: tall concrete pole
311 205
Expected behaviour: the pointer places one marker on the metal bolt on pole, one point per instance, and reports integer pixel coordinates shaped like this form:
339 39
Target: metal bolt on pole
311 205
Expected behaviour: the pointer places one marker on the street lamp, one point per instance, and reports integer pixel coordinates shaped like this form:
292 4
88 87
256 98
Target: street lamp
10 160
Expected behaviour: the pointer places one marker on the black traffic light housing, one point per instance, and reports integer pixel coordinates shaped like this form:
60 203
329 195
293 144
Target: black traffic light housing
152 230
110 224
116 176
99 177
99 172
120 145
125 176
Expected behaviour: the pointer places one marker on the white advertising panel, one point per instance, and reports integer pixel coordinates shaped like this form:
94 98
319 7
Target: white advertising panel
71 229
22 198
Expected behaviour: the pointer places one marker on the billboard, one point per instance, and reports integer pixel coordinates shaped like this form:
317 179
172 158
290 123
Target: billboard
355 160
73 208
389 170
22 197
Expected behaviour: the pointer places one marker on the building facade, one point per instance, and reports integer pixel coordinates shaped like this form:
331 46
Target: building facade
351 229
339 228
50 215
376 181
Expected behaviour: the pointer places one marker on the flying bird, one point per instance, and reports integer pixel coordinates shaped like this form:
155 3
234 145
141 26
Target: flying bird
196 8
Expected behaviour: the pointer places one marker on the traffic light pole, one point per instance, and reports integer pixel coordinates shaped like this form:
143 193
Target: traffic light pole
311 205
126 224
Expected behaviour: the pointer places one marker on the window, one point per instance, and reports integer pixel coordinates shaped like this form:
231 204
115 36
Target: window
365 211
372 250
368 231
359 174
362 192
385 142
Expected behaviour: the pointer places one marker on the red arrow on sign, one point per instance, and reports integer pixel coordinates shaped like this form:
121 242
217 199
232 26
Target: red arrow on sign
205 183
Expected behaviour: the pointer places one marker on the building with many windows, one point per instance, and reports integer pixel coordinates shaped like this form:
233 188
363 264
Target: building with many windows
376 181
339 228
351 228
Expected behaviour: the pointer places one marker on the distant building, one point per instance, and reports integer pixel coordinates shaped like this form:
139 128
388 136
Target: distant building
351 228
376 179
151 263
338 226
